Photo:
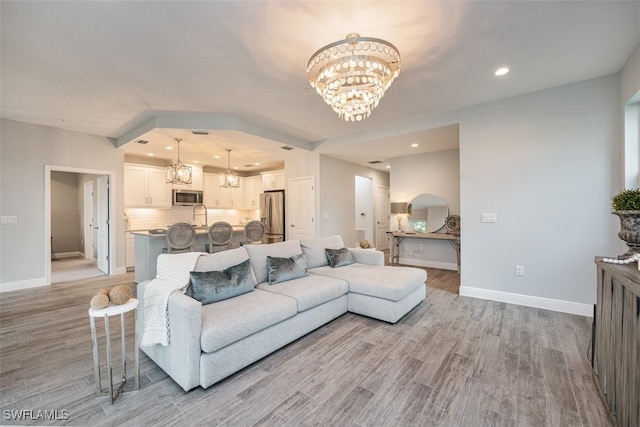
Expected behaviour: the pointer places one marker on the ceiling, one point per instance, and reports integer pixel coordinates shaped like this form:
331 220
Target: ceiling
237 69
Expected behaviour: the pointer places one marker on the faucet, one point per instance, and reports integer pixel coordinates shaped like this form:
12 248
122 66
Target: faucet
206 222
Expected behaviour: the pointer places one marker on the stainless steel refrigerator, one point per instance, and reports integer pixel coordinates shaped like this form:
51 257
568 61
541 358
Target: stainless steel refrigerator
272 215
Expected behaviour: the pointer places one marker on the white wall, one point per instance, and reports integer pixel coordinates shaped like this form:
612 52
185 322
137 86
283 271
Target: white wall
434 173
66 225
25 149
547 164
337 194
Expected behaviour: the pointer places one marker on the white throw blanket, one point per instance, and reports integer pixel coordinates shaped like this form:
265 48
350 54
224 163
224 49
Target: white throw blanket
172 275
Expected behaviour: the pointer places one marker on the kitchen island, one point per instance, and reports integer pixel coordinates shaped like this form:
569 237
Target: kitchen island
149 245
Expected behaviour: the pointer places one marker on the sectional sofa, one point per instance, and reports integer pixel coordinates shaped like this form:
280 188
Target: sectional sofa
285 296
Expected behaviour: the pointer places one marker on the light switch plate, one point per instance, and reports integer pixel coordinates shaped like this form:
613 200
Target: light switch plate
489 217
9 220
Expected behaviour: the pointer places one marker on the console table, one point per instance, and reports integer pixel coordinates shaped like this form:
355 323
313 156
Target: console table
616 345
398 236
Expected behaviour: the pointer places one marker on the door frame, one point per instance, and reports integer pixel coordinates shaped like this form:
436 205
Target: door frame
47 214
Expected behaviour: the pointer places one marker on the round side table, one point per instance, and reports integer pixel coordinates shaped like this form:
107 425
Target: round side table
113 310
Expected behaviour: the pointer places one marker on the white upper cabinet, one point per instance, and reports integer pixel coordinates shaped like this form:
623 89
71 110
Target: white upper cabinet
236 195
213 196
252 190
145 186
273 180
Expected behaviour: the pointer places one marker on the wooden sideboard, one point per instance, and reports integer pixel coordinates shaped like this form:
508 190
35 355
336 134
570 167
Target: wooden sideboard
398 236
616 352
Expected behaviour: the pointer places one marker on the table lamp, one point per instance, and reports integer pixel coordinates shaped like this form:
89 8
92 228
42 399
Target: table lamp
399 209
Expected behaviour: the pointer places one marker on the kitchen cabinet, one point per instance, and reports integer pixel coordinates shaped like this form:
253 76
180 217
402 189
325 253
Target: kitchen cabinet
216 197
212 196
145 186
273 180
252 190
236 195
197 177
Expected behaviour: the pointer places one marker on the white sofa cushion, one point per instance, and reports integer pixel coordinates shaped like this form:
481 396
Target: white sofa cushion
228 321
309 291
221 260
258 255
314 247
392 283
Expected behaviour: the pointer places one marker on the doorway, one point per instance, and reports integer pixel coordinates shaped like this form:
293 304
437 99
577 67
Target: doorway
78 208
364 209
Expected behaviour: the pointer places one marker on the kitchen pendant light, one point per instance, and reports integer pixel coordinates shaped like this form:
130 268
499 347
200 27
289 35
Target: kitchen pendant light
229 179
178 173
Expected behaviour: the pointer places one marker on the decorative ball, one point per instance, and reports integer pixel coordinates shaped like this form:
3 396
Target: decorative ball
364 244
104 291
99 301
120 294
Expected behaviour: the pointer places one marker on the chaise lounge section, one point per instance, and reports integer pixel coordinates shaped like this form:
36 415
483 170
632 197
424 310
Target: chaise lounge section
294 294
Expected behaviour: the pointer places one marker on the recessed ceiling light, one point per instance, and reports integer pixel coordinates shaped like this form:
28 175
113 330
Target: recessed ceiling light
235 167
196 161
388 166
256 164
216 156
501 71
150 154
168 147
414 145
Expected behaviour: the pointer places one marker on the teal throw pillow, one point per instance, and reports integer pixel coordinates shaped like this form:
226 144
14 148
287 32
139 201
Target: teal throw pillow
214 286
339 257
283 269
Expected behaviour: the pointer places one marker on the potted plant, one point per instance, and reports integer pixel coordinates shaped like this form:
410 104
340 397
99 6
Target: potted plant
626 205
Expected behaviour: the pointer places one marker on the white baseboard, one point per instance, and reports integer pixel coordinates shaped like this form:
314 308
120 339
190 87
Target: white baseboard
23 284
429 264
529 301
60 255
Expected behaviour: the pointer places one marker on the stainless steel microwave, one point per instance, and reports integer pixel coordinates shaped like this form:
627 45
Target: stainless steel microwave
187 197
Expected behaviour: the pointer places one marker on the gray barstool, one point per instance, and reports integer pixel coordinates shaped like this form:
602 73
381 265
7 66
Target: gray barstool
180 237
220 234
254 232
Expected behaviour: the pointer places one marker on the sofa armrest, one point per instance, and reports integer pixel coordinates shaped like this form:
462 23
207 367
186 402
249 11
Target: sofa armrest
367 256
181 358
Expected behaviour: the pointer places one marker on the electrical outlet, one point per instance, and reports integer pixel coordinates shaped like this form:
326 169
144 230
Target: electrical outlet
519 270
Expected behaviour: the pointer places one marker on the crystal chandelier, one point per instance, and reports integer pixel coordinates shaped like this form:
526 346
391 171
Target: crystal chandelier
229 179
353 74
178 173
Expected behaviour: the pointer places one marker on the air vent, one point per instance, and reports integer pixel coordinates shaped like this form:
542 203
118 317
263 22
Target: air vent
142 141
286 147
374 162
200 132
249 166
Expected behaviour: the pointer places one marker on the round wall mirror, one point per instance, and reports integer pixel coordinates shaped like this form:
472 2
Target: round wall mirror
427 213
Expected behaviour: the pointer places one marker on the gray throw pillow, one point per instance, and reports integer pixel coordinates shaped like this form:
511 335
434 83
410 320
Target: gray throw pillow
214 286
339 257
283 269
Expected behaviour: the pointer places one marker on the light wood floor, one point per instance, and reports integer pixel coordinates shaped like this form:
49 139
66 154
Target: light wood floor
453 361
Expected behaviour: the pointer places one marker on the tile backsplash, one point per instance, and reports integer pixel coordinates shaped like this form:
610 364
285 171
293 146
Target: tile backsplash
147 219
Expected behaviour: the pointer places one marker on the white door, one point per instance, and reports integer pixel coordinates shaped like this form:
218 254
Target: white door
302 208
88 220
382 217
102 224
